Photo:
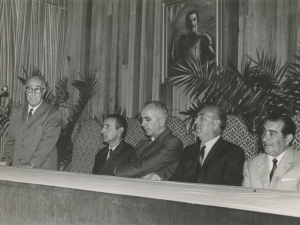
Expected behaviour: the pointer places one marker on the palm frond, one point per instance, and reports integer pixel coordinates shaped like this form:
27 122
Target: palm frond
87 88
262 87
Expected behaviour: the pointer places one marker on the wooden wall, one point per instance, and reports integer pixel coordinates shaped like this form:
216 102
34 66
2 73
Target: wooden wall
122 41
272 26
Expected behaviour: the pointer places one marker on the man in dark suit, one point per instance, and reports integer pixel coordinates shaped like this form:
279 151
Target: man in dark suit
33 131
279 167
212 160
157 158
117 150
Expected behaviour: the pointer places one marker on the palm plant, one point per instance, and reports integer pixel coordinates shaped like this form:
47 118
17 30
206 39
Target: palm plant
261 88
118 110
87 88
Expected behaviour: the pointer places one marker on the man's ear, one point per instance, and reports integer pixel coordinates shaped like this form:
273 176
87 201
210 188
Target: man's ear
288 139
216 124
44 91
120 131
162 121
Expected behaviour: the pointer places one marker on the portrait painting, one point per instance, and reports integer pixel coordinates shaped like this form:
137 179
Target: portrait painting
190 34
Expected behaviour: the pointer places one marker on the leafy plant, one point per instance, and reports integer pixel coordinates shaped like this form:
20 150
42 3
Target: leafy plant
5 112
87 88
118 110
261 88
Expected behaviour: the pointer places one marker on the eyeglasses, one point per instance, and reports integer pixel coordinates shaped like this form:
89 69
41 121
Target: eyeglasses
36 90
203 117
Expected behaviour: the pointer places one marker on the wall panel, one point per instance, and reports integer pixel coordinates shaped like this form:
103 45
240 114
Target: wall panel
121 40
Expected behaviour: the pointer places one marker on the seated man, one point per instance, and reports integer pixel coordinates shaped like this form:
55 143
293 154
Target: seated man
33 131
117 150
279 167
156 158
213 160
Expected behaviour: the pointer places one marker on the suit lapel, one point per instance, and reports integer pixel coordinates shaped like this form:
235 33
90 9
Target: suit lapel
146 147
117 150
214 152
37 113
284 165
103 158
25 116
263 171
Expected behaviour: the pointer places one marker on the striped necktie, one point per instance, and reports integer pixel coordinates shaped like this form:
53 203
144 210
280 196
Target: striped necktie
202 151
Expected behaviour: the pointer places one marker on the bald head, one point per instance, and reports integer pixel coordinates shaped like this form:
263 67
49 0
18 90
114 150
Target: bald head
210 123
218 114
36 79
154 117
34 89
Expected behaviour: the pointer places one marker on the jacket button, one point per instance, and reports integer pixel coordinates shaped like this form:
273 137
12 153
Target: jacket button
22 146
19 159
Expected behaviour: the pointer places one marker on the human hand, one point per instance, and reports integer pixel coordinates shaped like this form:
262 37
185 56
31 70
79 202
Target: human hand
3 163
27 166
152 176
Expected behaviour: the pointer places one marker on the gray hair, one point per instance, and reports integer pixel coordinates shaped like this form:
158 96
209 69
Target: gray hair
160 106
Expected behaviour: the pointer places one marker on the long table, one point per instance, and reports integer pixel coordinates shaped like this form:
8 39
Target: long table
48 197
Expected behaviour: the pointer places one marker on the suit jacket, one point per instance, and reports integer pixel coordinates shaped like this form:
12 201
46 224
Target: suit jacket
223 165
160 156
104 166
33 142
285 177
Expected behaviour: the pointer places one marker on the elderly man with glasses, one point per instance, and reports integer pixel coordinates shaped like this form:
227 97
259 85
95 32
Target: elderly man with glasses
33 131
212 160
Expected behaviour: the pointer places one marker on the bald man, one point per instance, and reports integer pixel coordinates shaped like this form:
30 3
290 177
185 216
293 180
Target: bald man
212 160
33 131
157 157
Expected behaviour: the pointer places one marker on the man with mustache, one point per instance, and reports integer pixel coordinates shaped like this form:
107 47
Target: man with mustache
195 45
211 160
33 131
117 150
279 166
157 157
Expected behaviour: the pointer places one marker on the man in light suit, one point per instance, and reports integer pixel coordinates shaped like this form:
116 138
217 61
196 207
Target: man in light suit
212 160
33 131
156 158
117 150
279 167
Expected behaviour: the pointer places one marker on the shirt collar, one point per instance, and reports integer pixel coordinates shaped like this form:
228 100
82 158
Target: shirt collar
113 148
33 108
270 158
209 144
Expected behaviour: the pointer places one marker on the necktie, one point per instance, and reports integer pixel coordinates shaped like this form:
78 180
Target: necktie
202 150
109 153
30 114
273 168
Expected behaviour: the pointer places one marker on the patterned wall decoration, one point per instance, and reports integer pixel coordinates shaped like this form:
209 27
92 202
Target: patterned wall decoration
296 142
89 140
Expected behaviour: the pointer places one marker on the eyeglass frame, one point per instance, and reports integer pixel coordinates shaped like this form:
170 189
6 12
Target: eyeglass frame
202 116
34 90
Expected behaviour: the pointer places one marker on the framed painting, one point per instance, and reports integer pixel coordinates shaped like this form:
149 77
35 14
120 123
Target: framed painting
191 31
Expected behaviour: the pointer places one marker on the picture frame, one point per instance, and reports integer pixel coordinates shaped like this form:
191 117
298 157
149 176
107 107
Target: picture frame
175 31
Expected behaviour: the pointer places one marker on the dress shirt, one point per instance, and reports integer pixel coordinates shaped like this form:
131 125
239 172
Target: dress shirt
33 108
112 148
271 160
209 145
